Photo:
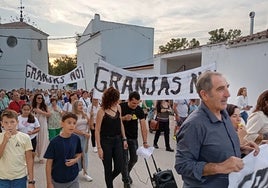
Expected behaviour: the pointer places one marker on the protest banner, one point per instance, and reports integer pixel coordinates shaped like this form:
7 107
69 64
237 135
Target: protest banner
255 171
32 72
179 85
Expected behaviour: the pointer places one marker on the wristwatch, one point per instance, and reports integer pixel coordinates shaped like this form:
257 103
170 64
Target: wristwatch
31 182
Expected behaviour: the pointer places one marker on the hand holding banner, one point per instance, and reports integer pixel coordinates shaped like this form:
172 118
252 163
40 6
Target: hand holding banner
254 173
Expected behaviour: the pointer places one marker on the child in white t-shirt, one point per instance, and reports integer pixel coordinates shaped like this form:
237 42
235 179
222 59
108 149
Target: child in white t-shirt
29 124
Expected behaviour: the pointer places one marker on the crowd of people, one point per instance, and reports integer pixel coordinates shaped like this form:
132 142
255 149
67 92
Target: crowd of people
211 134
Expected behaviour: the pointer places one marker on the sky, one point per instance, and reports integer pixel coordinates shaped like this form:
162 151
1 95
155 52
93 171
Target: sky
170 19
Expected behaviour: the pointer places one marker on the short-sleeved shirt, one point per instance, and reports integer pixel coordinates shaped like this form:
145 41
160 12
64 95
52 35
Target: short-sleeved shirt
16 106
205 139
12 163
182 107
24 126
60 149
131 127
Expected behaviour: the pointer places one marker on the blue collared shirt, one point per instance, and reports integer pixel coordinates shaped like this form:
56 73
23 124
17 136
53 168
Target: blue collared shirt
204 139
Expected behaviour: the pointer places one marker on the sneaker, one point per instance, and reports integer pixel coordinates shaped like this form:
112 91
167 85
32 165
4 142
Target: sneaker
156 146
95 150
88 178
169 149
174 137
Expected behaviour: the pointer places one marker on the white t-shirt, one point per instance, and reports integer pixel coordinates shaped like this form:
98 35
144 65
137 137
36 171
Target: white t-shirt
182 107
68 107
25 127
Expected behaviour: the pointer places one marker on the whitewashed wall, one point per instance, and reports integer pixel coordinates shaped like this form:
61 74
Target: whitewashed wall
13 61
243 66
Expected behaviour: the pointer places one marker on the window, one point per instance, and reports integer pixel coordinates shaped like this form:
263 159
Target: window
12 41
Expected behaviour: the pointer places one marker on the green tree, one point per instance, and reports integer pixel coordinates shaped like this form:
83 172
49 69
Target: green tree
62 65
219 35
178 44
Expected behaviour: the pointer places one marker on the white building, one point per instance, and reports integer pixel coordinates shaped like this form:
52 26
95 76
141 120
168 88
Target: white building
20 41
119 44
244 62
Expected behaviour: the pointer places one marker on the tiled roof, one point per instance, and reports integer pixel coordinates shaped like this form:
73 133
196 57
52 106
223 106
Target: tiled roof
253 37
20 25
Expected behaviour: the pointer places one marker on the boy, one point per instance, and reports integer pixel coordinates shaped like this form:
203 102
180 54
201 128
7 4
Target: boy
15 152
62 155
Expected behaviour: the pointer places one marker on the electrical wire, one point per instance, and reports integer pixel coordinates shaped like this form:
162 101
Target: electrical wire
11 70
74 37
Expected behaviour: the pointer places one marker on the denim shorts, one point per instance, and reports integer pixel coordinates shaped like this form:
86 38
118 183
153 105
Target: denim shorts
16 183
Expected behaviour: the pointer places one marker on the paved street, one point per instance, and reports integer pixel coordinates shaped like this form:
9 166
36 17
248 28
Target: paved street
165 160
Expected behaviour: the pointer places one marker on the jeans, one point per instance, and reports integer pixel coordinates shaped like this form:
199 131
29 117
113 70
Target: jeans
163 126
16 183
112 152
130 159
244 116
83 162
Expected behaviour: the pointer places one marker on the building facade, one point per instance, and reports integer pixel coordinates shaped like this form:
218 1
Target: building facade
19 42
243 61
121 45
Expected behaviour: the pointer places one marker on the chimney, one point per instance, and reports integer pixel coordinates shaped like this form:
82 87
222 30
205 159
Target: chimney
97 17
251 15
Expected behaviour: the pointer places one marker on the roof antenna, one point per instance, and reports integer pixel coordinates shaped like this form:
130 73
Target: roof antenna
21 10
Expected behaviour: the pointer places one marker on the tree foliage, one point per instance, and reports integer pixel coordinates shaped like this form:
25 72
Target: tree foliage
219 35
62 65
178 44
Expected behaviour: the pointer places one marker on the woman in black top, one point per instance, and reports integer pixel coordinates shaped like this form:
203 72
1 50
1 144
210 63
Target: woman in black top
109 134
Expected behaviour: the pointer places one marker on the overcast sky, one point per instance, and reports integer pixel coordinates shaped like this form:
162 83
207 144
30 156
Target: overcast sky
170 18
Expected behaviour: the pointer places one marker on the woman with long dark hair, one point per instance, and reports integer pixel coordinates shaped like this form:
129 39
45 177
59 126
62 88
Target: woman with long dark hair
41 112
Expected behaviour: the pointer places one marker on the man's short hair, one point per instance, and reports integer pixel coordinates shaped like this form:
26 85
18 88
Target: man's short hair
68 115
9 114
204 81
134 95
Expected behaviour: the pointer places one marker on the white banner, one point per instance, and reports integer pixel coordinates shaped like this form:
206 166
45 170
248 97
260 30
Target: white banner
179 85
32 72
255 172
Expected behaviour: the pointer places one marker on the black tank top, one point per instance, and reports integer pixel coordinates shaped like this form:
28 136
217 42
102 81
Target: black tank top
110 126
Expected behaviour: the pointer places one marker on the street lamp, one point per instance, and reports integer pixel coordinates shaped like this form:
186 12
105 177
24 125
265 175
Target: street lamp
1 52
